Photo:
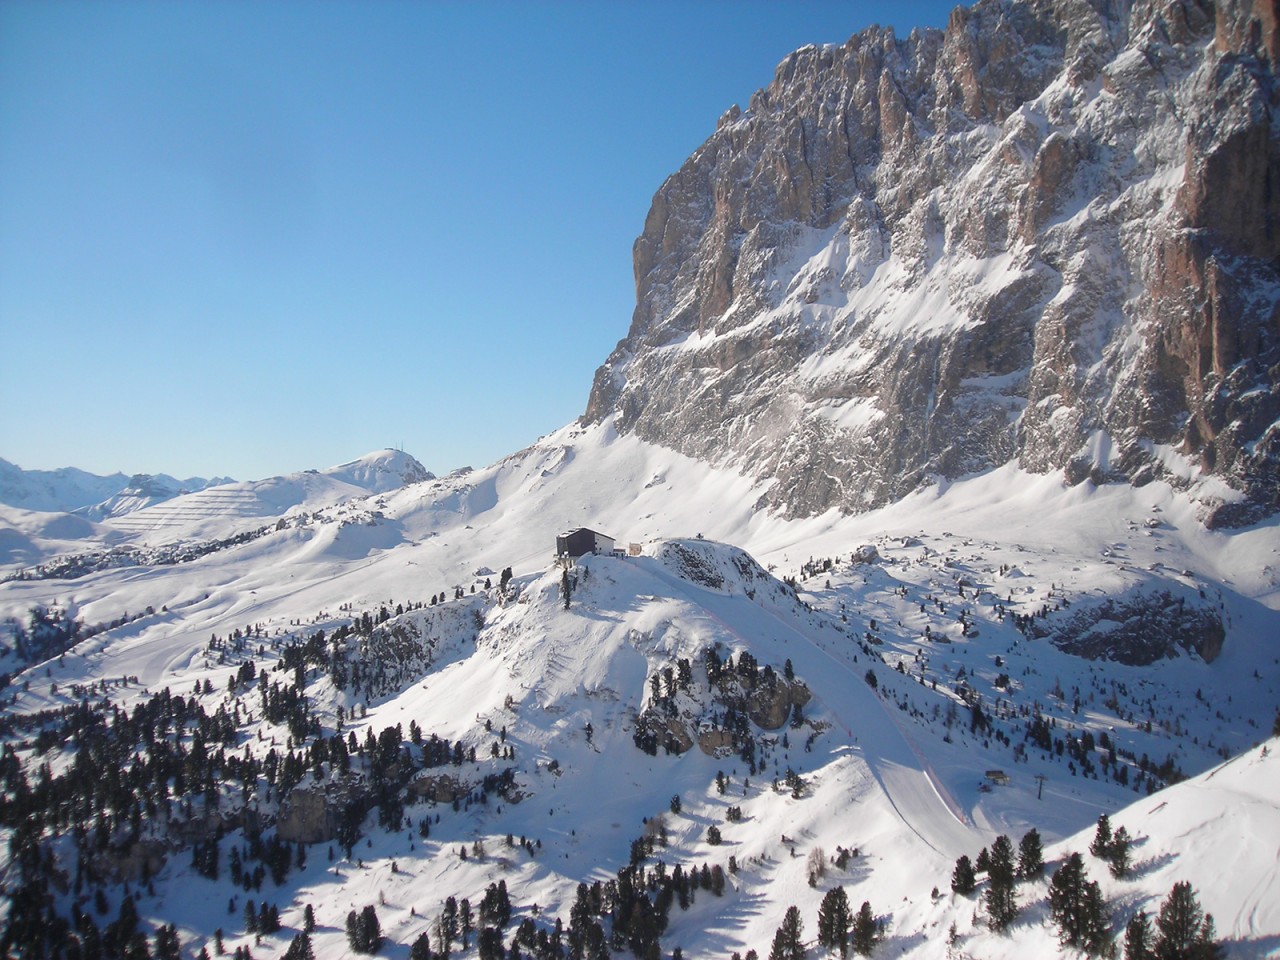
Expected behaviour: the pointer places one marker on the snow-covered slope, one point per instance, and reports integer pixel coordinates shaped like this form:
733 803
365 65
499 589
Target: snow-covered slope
367 691
222 510
1218 832
28 537
936 598
70 490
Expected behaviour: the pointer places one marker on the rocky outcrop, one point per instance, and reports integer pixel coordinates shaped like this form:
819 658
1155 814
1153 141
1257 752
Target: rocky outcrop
1136 629
1049 233
438 787
772 701
722 716
133 862
309 815
715 741
669 733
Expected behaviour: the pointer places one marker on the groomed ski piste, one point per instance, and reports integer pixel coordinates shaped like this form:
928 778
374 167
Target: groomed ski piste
896 771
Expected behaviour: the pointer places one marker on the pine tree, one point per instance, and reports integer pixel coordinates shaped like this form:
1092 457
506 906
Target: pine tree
834 920
448 925
1118 853
1030 855
167 946
353 931
372 929
1002 905
421 948
1184 933
464 907
1178 923
963 879
1137 938
866 930
300 948
1101 837
364 933
1076 905
1207 946
489 944
787 944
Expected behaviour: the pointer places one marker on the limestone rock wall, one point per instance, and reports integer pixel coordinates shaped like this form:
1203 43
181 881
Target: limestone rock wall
1049 233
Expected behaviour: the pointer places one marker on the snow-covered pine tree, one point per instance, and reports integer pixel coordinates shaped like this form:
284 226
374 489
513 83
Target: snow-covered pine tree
1101 837
834 920
1076 905
1138 938
1002 904
866 930
963 879
1183 930
1118 853
787 942
1030 855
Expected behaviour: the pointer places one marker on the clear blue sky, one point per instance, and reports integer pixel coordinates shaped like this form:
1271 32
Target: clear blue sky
250 238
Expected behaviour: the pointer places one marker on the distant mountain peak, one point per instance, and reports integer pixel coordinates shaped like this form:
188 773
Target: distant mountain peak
71 490
381 471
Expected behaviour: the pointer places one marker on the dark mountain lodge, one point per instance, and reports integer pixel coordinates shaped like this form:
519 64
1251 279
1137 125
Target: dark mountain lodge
581 541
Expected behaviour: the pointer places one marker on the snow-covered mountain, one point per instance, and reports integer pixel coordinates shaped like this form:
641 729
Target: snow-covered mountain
293 716
222 511
70 490
952 597
381 471
142 491
1044 235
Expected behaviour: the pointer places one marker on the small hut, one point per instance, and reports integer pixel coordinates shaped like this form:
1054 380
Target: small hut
576 543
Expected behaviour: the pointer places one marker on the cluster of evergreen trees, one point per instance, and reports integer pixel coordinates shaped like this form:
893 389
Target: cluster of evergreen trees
364 933
1183 931
163 768
1111 847
1076 905
839 928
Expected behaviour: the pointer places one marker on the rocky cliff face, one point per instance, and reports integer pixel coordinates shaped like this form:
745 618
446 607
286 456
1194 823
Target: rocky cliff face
1049 233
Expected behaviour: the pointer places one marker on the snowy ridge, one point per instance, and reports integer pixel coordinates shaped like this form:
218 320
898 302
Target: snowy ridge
879 599
217 511
70 490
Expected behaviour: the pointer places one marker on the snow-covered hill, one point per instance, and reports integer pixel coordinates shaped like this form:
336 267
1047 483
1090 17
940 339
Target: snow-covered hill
221 510
70 490
27 537
948 599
